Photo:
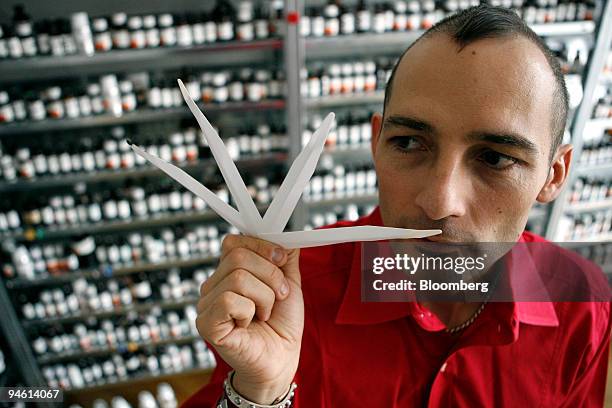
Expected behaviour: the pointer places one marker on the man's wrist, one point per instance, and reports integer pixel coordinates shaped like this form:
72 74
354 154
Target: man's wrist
261 393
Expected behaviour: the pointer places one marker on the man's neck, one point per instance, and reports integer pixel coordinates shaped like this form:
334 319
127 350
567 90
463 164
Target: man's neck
452 314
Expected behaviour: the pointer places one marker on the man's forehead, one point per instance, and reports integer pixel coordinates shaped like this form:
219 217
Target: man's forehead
490 82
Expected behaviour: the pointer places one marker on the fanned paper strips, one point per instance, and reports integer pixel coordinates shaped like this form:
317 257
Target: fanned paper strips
247 219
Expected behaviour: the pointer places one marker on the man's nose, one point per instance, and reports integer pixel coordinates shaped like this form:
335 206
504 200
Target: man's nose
444 190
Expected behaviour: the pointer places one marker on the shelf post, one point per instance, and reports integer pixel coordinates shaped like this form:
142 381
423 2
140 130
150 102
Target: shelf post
294 63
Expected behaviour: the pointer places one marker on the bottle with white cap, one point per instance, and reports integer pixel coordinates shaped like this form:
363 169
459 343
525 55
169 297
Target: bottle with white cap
166 396
146 400
120 402
81 30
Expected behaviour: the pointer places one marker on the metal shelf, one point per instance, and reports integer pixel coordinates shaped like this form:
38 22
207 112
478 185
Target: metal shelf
112 226
225 53
597 239
589 206
205 371
347 154
332 101
395 42
138 116
602 123
137 308
108 271
102 351
567 29
359 44
362 199
139 172
602 169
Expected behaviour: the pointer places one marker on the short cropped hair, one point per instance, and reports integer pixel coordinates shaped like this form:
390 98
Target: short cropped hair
485 21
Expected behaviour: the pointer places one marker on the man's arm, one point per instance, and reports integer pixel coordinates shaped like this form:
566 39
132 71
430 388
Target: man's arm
589 388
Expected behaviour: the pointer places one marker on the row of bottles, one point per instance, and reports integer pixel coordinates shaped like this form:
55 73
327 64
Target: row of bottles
116 95
108 252
85 35
119 334
110 369
335 18
81 297
162 397
591 189
127 201
110 150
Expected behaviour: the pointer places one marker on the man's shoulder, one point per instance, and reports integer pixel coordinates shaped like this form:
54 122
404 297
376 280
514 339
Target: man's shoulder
566 272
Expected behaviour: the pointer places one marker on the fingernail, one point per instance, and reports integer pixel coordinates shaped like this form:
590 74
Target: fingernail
277 255
284 289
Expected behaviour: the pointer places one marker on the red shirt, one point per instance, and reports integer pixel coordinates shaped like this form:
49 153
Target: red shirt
356 354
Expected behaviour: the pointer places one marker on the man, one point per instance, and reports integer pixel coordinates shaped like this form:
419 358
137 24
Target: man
470 138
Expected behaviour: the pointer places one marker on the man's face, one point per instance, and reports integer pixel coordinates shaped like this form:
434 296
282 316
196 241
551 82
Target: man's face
465 141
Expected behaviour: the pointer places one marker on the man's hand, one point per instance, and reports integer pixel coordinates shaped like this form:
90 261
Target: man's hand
251 311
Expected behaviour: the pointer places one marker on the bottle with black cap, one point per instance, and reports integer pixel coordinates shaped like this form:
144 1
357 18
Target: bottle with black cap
41 30
347 20
261 23
196 25
23 29
224 16
15 48
184 33
4 50
245 30
317 22
70 46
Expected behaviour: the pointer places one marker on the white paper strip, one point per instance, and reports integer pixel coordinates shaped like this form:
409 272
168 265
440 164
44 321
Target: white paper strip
227 212
328 236
297 178
235 184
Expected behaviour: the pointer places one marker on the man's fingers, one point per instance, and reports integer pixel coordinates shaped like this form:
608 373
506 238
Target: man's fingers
224 312
244 283
265 249
243 258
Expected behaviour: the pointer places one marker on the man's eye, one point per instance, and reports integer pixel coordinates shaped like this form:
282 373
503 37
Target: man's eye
497 160
406 143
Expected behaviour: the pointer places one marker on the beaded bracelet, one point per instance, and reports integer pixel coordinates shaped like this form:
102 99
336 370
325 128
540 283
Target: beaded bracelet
231 398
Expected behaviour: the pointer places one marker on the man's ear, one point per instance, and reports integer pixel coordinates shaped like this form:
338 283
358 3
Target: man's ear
557 174
376 123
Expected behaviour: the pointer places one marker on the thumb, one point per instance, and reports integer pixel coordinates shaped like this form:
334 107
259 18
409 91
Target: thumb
291 266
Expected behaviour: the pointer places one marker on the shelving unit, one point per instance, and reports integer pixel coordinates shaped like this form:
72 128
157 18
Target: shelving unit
243 163
140 116
233 53
294 53
582 125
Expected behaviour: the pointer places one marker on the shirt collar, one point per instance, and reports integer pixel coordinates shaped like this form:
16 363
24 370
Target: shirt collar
353 311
